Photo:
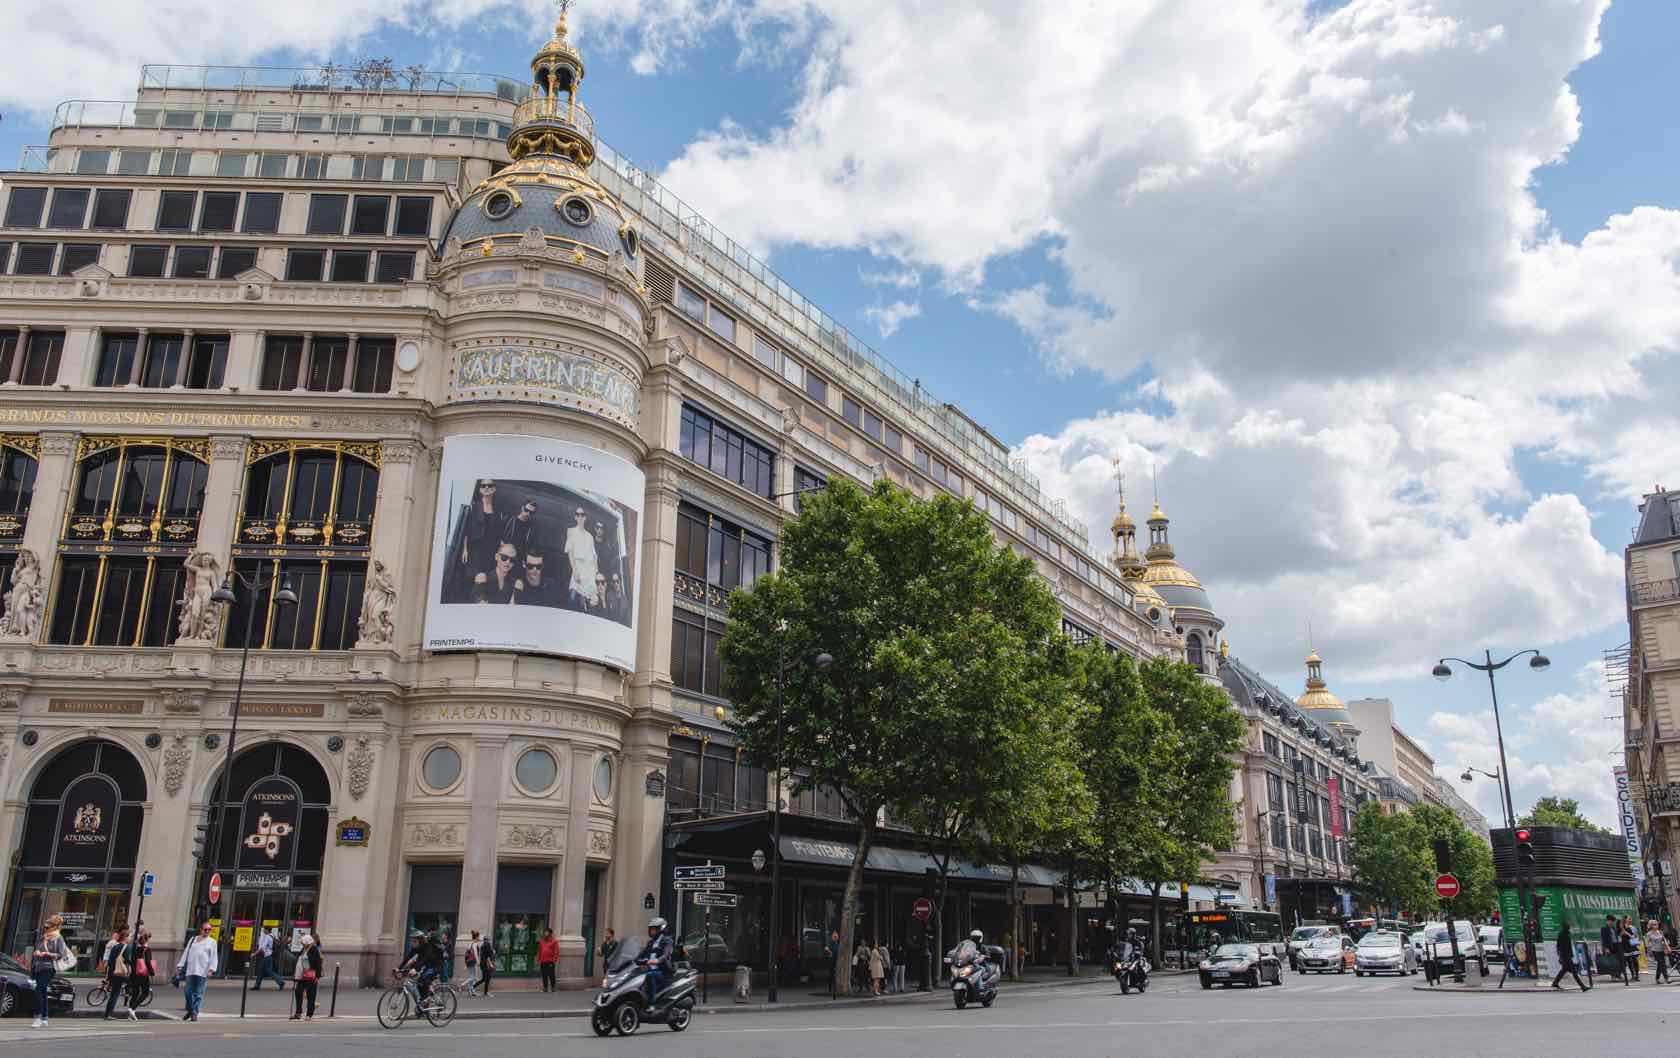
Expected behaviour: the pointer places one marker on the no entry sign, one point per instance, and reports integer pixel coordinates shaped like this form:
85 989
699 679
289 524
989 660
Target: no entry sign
922 908
215 888
1446 886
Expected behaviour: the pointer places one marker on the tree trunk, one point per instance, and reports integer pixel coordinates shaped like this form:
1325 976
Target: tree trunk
1015 944
848 906
939 906
1073 925
1155 922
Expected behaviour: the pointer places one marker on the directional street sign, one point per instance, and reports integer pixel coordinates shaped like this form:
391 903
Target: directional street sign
698 871
1446 887
146 881
684 885
716 899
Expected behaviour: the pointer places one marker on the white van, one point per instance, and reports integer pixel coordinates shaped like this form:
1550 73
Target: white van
1433 935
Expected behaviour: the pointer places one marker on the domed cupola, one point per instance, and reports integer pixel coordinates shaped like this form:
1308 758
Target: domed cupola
1163 573
547 187
1318 700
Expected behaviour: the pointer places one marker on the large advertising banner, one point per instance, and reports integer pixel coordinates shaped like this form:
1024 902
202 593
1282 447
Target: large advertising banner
536 549
1630 825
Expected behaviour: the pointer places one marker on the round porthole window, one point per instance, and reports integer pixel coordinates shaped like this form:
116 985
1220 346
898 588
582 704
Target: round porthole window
441 768
536 770
631 242
576 211
498 205
603 779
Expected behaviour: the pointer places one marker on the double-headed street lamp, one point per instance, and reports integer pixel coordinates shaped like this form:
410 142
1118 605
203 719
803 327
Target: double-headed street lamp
1470 774
283 596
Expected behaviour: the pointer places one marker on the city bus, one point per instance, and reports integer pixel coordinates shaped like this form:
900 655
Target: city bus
1211 928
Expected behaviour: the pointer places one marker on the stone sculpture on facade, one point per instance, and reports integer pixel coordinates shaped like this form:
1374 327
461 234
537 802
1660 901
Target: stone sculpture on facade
378 600
201 618
22 616
360 768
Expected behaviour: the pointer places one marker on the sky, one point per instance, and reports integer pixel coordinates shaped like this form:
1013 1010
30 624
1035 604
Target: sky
1383 293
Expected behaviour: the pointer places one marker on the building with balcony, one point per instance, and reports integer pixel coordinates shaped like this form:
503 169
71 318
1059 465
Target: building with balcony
1652 694
487 424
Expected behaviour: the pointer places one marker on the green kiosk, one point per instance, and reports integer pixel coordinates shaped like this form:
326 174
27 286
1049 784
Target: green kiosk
1580 876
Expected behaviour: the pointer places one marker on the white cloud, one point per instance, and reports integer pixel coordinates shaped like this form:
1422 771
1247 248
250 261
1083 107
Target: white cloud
901 278
889 318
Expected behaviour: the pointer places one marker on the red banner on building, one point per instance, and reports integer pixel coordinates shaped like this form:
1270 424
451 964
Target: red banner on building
1335 806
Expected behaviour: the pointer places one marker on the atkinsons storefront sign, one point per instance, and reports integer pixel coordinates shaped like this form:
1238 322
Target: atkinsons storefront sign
547 373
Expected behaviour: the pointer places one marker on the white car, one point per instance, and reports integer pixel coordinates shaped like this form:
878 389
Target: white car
1432 941
1301 936
1383 952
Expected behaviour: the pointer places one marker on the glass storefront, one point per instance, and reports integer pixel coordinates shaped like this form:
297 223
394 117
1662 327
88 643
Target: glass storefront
270 851
524 896
434 901
81 835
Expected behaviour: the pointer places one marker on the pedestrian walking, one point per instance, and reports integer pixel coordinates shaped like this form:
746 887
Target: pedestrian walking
142 968
1566 959
44 961
1630 946
834 964
1656 949
548 953
197 966
878 969
306 978
609 948
268 967
117 959
486 963
447 943
1610 942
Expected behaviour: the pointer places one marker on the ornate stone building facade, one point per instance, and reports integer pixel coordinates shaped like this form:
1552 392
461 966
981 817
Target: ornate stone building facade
249 321
1651 713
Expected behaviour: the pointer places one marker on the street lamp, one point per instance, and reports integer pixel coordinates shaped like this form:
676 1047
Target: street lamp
1539 663
821 662
1260 818
1494 775
284 596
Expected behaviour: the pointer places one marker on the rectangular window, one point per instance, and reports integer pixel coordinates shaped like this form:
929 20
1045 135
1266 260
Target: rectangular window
1270 741
311 123
135 605
234 260
207 362
872 424
175 210
327 359
229 163
815 387
313 166
851 411
174 163
110 208
374 358
694 652
24 207
724 325
147 261
446 170
35 258
192 262
116 359
350 266
282 361
370 214
262 212
691 304
414 216
920 458
326 214
305 266
220 210
5 256
764 351
395 266
892 439
273 166
77 255
93 162
40 358
163 361
69 208
218 119
134 162
726 452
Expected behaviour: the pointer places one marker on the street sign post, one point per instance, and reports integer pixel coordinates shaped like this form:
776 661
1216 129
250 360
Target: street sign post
215 888
922 908
689 885
696 871
716 899
146 882
1446 886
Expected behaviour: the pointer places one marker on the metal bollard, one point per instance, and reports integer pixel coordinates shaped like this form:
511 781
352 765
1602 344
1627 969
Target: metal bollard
743 984
245 986
332 1010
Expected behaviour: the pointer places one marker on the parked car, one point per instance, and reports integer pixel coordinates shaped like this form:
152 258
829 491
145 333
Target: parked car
1302 935
1326 953
17 991
1433 942
1492 939
1383 952
1250 964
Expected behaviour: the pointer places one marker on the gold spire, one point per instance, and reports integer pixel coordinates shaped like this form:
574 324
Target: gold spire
1125 556
1317 694
1163 566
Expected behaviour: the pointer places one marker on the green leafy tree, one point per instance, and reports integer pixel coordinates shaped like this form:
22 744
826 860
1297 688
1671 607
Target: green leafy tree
1391 860
1471 859
1187 803
933 628
1559 812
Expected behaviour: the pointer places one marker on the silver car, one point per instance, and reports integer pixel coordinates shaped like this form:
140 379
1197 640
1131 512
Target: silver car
1384 953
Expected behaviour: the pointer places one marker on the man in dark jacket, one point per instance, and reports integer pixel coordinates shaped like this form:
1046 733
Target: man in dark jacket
1610 942
656 953
1566 958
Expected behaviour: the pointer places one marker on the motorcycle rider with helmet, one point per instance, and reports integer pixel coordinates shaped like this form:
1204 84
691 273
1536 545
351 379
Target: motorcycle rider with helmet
656 955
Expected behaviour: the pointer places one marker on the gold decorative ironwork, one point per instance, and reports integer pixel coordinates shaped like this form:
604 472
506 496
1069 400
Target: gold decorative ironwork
309 533
143 527
28 444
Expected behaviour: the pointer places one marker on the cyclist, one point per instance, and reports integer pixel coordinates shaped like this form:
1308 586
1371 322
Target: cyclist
656 954
426 955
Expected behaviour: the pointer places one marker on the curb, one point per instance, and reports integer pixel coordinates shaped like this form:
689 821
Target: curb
1492 990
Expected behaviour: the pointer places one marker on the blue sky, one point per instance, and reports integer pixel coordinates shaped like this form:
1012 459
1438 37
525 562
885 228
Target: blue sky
1357 447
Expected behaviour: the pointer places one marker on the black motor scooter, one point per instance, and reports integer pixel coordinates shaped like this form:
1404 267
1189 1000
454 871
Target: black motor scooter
975 972
1131 969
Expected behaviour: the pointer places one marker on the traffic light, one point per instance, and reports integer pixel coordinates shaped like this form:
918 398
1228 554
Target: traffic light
201 841
1443 856
1525 851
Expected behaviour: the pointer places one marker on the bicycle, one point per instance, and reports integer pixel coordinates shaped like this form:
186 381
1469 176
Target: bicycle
97 995
402 1001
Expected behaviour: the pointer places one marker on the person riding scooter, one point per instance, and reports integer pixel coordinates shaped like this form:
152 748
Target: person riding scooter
656 956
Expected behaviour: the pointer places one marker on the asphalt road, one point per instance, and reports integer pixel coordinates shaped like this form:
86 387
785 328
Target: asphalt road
1317 1015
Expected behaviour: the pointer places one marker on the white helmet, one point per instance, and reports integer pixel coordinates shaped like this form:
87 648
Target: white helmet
656 923
977 937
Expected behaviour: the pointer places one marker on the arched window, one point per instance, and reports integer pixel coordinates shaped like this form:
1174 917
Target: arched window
81 839
271 842
310 505
132 520
1194 649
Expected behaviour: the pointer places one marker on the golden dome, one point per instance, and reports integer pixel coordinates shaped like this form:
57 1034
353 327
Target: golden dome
1157 515
1317 696
1168 571
1121 521
559 49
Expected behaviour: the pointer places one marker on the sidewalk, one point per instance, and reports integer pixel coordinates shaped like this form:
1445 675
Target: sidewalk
521 1000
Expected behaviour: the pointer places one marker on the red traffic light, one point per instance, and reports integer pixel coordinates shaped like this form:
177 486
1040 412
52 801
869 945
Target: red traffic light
1522 835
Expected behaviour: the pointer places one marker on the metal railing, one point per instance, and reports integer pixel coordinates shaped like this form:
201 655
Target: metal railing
1654 590
363 78
563 112
127 114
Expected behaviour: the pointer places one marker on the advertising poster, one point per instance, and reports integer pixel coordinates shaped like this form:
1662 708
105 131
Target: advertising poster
1630 826
537 549
242 936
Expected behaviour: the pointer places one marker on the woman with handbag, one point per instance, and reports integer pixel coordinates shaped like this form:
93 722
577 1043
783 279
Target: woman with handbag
486 963
50 957
116 960
141 968
307 974
471 959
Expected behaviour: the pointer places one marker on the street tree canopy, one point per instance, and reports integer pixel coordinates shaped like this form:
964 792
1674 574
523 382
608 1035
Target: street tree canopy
940 642
1559 812
1391 860
1471 859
